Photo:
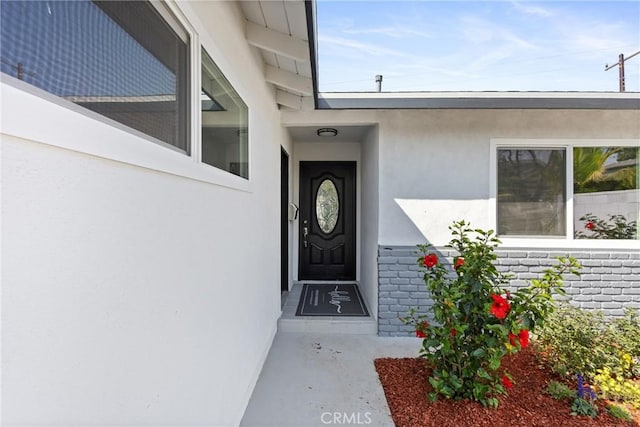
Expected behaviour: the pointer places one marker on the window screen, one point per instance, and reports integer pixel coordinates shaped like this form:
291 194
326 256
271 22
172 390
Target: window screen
118 58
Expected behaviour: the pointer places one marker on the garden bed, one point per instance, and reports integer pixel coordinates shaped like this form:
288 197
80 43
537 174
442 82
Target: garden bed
406 386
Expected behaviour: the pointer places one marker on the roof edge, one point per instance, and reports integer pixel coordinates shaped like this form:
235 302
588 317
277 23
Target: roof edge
479 100
310 9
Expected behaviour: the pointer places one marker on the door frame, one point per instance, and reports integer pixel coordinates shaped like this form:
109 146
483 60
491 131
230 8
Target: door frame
284 220
356 219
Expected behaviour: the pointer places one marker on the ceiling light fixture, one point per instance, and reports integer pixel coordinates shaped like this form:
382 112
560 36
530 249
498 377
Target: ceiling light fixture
328 132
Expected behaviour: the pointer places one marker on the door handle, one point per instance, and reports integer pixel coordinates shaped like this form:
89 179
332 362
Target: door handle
293 211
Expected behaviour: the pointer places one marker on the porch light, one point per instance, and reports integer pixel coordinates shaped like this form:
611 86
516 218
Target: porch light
328 132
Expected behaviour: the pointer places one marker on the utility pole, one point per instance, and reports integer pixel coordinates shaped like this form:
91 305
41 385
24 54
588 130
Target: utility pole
620 65
379 82
20 71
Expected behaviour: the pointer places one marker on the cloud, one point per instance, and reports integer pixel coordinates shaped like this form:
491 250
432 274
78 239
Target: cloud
391 31
477 30
415 69
593 36
532 9
400 68
490 43
357 46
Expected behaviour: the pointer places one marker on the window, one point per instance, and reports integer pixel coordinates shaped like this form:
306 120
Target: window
579 191
121 59
224 122
531 192
605 186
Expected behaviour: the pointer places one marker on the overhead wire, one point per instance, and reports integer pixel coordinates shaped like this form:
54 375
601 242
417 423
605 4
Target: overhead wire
511 62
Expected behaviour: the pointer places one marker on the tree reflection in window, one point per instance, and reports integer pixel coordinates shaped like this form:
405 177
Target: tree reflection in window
606 192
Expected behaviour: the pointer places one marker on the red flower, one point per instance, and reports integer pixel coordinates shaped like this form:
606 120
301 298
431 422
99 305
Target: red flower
453 332
590 225
506 382
430 260
523 337
500 307
420 329
459 262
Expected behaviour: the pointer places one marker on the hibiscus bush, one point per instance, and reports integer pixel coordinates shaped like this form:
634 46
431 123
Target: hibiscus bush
475 321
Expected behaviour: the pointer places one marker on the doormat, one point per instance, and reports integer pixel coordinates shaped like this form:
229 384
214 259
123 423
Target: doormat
331 300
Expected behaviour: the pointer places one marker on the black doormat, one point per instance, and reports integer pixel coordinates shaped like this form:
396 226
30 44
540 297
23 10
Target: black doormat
331 300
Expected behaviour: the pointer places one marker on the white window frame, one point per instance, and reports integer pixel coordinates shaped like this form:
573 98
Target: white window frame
248 155
207 42
566 242
75 128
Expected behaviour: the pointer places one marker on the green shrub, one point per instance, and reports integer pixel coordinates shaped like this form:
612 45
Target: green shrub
584 407
584 402
606 351
619 412
570 340
624 334
575 340
559 390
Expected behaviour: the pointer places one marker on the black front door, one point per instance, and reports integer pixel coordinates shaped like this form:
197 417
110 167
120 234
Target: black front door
327 221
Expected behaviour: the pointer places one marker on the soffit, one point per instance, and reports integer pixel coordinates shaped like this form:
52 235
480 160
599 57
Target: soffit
278 29
346 134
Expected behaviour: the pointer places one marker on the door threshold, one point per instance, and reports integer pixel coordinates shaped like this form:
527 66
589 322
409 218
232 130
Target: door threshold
317 282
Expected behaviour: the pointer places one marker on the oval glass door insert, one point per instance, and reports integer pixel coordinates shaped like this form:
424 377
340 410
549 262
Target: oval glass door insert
327 206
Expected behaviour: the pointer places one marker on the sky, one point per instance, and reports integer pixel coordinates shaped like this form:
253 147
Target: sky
490 45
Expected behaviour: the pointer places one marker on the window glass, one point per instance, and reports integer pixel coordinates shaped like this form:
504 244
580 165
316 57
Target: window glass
531 192
327 206
224 122
606 192
118 58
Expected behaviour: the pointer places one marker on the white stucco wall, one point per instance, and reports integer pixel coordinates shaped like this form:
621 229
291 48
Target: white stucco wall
369 218
433 168
138 287
434 165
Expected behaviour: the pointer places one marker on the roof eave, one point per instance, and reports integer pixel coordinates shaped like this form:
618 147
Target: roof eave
310 8
479 100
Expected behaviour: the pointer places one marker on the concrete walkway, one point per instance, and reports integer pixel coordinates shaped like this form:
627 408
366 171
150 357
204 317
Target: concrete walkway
320 379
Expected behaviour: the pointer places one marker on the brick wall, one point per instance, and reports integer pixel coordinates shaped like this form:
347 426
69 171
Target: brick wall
609 281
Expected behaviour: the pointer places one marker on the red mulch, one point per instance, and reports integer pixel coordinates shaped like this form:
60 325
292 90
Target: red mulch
406 386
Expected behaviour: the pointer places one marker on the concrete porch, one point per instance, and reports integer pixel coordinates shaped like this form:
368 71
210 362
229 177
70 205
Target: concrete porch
320 371
289 322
